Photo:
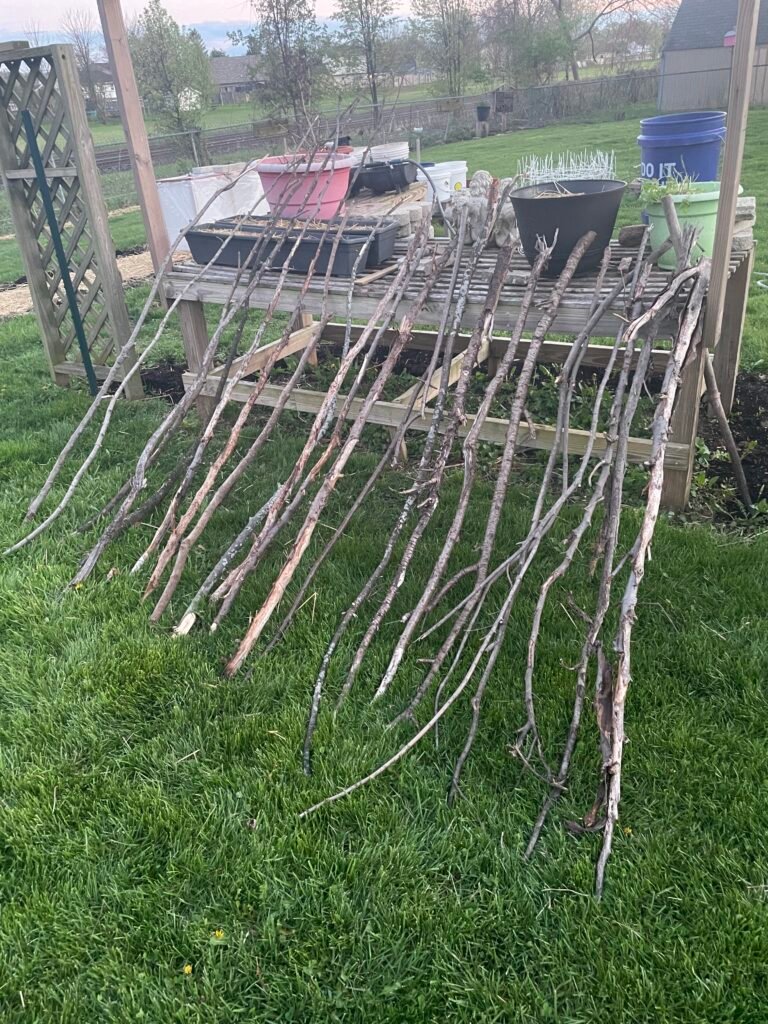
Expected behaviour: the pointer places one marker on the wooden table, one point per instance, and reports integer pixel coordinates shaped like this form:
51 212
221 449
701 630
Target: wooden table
216 285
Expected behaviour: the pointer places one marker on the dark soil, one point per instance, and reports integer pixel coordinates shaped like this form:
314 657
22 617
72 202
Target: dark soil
749 423
164 380
132 250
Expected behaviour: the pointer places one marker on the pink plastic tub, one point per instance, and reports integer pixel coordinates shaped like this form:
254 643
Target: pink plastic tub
295 188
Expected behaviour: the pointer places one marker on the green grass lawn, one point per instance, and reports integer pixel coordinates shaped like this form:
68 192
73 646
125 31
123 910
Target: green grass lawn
148 804
127 233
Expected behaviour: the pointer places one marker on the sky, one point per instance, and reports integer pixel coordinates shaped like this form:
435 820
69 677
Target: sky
47 15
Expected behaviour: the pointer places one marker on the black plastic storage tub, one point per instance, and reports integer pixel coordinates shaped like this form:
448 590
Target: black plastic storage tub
385 176
204 244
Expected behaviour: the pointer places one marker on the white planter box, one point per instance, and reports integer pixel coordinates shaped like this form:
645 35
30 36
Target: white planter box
184 197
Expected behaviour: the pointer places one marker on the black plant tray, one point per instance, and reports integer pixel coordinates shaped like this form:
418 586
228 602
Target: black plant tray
204 244
382 245
385 176
205 241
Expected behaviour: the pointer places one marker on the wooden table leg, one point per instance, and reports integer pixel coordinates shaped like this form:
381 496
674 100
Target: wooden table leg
728 352
194 331
684 428
306 320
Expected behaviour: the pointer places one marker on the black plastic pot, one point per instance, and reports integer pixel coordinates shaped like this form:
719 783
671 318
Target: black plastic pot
483 111
386 176
567 211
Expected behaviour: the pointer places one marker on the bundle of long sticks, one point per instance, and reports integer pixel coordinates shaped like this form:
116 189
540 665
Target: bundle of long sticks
205 479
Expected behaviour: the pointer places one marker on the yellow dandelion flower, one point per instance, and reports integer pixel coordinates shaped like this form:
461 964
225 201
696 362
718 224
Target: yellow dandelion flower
218 934
187 968
627 831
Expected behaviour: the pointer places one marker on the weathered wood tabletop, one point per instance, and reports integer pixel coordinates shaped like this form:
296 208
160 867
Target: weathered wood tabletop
215 285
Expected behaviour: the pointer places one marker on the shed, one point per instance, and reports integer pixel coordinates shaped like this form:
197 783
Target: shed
698 52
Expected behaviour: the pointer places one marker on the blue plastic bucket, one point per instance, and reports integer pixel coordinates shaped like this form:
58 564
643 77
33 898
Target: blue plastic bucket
682 145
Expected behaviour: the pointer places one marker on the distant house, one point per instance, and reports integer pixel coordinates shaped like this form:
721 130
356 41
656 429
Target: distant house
351 74
101 76
235 79
698 52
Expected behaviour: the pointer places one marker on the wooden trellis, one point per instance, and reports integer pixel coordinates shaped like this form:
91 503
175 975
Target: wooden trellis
44 82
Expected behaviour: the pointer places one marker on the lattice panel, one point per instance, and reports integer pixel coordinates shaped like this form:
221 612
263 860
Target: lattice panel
44 82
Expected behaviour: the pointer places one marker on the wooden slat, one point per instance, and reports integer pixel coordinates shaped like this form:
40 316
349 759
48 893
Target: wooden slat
295 342
375 275
216 284
28 173
551 351
78 370
570 319
391 414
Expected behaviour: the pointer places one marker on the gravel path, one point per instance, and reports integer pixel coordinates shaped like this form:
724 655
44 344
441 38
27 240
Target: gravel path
133 268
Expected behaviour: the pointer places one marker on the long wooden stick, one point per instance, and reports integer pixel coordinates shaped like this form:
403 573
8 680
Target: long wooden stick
455 529
689 330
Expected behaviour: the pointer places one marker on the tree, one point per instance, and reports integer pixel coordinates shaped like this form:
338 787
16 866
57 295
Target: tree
34 33
79 30
522 42
364 29
290 46
449 33
578 19
637 35
216 52
172 71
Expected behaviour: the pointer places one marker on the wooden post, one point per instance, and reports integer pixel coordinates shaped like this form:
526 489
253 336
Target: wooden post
129 104
728 352
677 484
306 320
193 328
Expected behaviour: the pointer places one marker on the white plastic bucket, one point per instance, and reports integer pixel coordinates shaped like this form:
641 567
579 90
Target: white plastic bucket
387 151
449 177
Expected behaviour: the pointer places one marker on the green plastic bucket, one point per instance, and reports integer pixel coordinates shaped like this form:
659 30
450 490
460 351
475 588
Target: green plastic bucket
698 207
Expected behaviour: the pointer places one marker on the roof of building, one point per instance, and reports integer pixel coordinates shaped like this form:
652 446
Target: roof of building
233 70
703 24
101 73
